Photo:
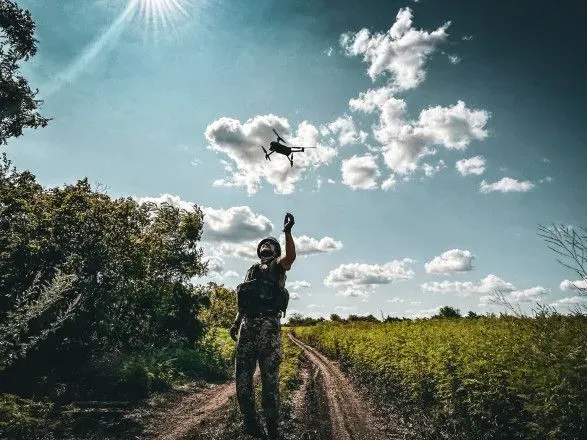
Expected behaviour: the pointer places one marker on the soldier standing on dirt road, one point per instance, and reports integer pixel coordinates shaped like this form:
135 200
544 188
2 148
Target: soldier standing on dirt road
262 301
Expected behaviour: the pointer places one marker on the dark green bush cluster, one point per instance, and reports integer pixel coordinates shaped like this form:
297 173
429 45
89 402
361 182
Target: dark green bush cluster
486 378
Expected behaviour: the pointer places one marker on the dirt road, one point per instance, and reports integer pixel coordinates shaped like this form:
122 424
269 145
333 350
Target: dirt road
330 395
190 408
325 407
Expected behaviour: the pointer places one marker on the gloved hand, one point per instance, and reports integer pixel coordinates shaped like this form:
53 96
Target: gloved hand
234 332
288 222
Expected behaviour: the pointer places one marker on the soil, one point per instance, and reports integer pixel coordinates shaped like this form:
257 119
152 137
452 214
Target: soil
327 406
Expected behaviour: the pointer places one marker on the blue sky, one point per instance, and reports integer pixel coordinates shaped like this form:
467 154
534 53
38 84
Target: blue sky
393 97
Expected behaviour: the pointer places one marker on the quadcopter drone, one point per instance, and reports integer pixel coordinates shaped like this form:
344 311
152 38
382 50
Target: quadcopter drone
278 147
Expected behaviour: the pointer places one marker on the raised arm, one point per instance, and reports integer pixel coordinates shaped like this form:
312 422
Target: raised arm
290 248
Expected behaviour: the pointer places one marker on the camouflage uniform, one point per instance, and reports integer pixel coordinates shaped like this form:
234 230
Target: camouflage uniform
260 341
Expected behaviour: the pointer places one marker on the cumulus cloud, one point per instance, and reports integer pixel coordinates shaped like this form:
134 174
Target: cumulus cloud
473 165
241 142
570 302
389 183
353 292
294 295
402 50
465 288
451 261
172 200
405 142
298 285
431 170
235 224
454 59
238 223
507 184
360 172
215 265
314 306
579 285
357 274
423 313
345 129
307 245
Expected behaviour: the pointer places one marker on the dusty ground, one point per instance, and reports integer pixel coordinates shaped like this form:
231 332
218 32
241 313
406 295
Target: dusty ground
326 407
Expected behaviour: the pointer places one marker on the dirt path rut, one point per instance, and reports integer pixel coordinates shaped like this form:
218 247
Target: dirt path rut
350 415
189 411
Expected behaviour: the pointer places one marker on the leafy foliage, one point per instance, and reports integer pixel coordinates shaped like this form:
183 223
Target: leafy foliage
222 308
485 378
130 265
18 106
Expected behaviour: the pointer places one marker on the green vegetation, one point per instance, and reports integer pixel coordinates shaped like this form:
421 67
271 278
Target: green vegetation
485 378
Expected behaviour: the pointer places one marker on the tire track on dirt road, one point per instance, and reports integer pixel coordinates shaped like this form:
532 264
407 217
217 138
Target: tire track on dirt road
189 411
351 417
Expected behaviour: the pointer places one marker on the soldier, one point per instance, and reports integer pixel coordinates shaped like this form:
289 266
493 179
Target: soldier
262 301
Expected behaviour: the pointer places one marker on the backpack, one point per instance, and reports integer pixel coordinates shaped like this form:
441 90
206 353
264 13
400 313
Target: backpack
262 290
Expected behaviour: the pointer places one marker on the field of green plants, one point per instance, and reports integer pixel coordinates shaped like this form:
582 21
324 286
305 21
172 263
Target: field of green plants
491 377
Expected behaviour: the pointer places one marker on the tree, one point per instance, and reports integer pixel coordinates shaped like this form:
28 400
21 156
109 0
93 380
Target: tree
448 312
18 106
570 244
335 318
222 309
133 265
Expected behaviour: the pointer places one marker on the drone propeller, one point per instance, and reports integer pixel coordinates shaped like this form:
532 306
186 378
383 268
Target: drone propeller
279 138
267 156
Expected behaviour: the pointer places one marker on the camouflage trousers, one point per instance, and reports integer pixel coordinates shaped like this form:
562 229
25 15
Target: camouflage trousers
259 341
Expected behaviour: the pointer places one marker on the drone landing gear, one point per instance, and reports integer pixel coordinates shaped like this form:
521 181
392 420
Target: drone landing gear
291 160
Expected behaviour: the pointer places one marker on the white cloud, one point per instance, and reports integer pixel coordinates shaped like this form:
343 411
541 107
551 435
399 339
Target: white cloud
547 179
331 181
172 200
423 313
294 295
467 37
431 170
329 51
389 183
454 59
360 172
357 274
314 306
241 143
345 308
238 223
573 285
528 295
396 300
298 285
402 50
517 296
473 165
465 288
405 142
354 293
307 245
451 261
215 265
507 184
235 224
569 301
345 128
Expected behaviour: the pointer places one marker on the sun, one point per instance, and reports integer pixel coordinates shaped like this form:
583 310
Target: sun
161 15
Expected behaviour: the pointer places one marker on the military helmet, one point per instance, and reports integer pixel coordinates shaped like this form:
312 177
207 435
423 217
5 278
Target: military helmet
273 241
